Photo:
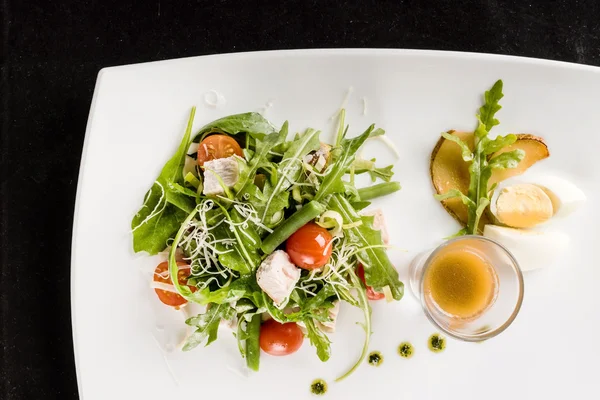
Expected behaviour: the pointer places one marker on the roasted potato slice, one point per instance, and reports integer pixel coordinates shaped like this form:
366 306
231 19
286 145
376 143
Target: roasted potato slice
535 150
449 171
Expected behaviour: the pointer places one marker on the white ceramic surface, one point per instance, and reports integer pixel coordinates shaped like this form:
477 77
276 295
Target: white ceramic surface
137 118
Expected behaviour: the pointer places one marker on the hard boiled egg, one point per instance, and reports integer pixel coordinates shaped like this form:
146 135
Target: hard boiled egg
531 249
525 203
565 196
522 206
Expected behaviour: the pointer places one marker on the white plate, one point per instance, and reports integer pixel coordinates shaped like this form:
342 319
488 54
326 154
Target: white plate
136 120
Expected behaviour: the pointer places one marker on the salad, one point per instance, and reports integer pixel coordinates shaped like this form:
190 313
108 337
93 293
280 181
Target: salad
268 232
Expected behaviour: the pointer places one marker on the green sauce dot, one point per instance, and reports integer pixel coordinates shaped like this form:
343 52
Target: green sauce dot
375 359
406 350
318 387
436 343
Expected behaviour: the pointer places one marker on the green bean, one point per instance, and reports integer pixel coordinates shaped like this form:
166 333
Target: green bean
291 225
252 343
381 189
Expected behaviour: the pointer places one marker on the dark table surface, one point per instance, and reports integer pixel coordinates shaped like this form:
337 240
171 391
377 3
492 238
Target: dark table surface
52 52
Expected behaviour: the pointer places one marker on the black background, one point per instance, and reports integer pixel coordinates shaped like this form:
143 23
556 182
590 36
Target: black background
53 50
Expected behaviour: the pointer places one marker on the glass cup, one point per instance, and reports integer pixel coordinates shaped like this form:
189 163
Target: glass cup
501 310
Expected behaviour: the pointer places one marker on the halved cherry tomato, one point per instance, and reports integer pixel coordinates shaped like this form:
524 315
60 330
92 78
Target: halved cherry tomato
371 294
217 146
161 274
280 339
310 246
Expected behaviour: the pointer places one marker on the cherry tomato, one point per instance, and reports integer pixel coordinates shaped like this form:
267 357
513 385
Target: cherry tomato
280 339
161 274
310 246
217 146
371 294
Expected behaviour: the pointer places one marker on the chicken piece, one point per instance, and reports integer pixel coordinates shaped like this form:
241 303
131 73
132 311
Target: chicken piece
378 223
329 327
319 158
277 276
227 170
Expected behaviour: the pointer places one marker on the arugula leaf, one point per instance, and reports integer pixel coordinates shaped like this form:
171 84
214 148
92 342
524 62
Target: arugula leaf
455 193
467 154
318 339
483 203
379 270
251 123
499 143
258 200
491 106
290 166
243 255
289 170
159 219
509 159
318 310
376 132
477 186
244 306
315 308
207 325
227 294
343 161
319 299
262 150
362 166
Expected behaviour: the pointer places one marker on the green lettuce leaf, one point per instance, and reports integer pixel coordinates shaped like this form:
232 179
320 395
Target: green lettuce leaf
251 123
164 208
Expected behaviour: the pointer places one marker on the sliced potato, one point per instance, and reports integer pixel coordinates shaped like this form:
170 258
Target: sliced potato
449 171
535 150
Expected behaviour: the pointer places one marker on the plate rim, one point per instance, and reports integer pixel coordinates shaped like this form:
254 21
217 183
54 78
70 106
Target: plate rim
265 54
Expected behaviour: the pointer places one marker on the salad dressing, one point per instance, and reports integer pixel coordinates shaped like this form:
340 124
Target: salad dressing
461 282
